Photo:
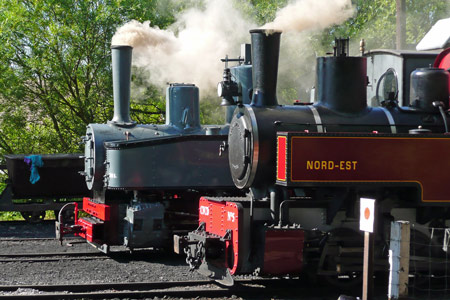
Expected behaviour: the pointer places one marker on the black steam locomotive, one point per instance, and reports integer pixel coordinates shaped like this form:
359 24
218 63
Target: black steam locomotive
305 167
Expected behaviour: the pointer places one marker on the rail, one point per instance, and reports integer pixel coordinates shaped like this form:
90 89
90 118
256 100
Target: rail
205 288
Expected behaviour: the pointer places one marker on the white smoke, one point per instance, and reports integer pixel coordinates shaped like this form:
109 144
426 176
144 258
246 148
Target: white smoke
311 14
297 21
190 50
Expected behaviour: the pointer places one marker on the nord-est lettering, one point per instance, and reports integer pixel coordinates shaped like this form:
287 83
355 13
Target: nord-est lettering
340 165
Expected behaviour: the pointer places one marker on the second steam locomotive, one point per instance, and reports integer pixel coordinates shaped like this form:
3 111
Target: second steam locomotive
146 179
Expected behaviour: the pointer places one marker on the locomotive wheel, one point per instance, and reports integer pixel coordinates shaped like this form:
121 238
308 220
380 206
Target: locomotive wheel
346 263
33 216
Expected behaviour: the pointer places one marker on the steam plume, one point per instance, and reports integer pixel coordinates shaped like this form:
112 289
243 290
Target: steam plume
193 54
190 50
311 14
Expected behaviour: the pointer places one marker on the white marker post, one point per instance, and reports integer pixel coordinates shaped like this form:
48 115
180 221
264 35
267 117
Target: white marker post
366 221
399 260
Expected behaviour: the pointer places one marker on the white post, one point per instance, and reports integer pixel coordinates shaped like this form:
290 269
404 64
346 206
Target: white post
399 260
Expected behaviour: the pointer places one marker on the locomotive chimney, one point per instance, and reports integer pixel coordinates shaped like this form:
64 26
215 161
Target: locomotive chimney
265 52
121 71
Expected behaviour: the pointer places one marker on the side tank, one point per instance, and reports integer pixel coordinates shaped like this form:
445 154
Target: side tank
183 118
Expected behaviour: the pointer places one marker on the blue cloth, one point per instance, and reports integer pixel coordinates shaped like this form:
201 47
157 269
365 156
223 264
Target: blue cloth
36 162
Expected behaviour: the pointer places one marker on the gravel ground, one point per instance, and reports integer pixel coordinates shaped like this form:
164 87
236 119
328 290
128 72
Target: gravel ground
153 266
16 229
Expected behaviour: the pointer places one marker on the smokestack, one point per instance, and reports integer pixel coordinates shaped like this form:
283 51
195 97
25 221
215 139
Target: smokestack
265 53
121 69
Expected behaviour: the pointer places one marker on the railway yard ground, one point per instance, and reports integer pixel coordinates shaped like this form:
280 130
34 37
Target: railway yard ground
34 264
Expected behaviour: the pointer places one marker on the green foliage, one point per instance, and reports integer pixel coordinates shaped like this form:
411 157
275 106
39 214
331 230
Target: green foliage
16 216
10 216
55 66
211 112
375 21
262 11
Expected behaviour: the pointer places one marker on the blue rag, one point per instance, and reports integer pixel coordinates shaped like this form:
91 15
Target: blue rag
36 162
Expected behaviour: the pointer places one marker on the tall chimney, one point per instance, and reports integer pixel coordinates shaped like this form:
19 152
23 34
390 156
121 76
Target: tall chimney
265 53
121 71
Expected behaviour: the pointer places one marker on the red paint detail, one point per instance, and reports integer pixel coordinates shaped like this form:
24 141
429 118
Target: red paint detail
89 230
367 213
443 61
103 228
378 158
218 218
98 210
283 251
75 211
281 158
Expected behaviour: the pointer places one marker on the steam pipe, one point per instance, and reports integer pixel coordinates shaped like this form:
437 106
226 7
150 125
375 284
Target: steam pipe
284 211
274 207
265 53
121 71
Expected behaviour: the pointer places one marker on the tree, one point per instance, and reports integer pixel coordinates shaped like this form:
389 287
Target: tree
55 69
375 21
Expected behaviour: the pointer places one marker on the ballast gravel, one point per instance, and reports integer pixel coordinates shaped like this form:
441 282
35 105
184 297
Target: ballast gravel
120 267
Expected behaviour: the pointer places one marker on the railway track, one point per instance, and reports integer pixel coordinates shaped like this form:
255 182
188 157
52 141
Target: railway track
183 289
14 239
49 257
78 255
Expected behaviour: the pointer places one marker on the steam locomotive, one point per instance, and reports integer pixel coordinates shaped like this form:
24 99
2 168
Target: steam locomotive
274 191
305 167
146 179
